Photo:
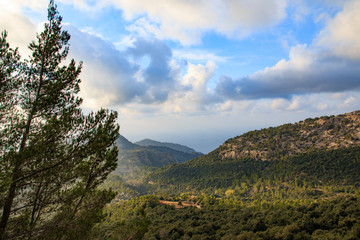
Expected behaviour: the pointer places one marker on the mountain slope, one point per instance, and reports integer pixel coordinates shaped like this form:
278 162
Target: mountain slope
292 159
124 144
332 132
135 161
179 155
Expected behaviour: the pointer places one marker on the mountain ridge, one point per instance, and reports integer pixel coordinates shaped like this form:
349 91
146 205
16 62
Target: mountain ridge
149 142
325 132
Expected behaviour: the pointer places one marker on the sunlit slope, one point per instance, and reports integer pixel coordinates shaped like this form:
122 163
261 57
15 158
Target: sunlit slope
304 157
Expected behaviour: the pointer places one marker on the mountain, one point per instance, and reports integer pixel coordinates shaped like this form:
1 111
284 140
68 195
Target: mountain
300 159
124 144
135 161
177 147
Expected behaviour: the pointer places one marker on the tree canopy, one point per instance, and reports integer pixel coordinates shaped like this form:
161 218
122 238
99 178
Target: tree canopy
52 155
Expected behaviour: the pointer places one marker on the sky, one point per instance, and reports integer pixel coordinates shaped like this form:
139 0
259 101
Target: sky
197 72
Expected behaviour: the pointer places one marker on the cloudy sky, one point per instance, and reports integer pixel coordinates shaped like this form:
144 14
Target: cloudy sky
198 72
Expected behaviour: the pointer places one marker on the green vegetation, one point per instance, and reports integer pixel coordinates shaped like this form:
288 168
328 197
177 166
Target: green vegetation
297 181
288 161
145 218
52 156
136 161
300 175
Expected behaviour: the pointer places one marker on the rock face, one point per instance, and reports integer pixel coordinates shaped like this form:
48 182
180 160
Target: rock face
287 140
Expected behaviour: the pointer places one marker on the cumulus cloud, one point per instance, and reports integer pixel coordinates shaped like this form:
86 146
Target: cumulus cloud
330 64
158 72
145 72
341 34
112 77
187 20
193 94
21 30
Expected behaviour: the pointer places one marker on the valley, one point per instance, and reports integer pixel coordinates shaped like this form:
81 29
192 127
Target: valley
295 181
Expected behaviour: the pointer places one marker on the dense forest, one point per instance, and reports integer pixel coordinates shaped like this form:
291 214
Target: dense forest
229 218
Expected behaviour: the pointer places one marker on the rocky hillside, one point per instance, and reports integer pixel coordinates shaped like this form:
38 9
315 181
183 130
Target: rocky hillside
275 162
287 140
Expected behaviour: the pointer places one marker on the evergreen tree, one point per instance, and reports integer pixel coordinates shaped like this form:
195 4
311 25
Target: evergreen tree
52 156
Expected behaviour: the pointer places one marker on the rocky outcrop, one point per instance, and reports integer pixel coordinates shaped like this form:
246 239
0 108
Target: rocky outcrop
290 139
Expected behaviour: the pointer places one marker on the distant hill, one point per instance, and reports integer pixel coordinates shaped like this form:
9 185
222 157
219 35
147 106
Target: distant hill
174 146
312 154
135 161
179 155
124 144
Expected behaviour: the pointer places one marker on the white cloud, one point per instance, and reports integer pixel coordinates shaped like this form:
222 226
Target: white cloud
21 30
330 64
279 104
193 96
341 35
349 100
317 103
17 5
187 20
198 75
112 77
295 104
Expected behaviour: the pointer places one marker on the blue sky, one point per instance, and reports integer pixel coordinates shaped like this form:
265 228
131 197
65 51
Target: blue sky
199 72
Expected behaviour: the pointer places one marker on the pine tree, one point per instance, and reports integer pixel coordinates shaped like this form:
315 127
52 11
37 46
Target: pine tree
53 156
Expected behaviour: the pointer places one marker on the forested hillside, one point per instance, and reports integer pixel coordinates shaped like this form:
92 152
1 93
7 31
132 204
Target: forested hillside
312 153
174 146
295 181
136 161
